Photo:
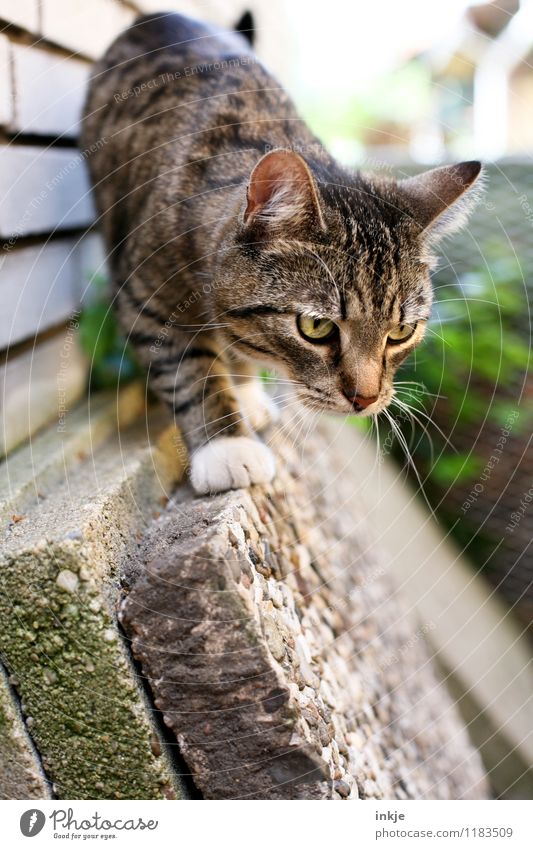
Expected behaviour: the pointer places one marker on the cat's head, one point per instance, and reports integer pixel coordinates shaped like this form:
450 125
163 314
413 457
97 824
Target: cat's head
327 274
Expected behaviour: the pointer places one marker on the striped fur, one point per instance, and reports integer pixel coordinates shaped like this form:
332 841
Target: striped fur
225 219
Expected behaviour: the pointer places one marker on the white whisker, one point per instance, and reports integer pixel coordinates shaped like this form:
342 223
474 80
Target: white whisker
409 458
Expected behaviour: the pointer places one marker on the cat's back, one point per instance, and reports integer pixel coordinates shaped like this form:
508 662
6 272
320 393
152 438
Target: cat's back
160 62
177 114
170 41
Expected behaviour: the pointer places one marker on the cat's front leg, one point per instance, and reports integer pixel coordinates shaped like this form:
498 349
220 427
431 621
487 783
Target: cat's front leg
224 451
258 408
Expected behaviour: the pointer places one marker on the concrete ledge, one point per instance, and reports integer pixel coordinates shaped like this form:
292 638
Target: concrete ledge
21 775
274 643
45 462
268 631
61 555
40 383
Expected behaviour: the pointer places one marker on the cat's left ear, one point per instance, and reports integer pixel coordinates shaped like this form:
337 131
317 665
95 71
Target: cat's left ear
282 193
441 199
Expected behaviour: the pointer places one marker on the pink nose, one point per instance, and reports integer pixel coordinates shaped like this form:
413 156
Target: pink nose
364 402
359 402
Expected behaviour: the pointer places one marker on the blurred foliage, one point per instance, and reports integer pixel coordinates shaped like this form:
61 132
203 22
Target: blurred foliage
475 352
112 360
347 121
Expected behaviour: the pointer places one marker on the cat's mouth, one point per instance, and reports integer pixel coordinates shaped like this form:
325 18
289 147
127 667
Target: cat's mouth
372 409
340 404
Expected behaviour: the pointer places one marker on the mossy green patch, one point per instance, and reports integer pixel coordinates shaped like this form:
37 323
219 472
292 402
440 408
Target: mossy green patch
78 690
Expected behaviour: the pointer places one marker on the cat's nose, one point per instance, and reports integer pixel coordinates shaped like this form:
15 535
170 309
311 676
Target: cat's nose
359 402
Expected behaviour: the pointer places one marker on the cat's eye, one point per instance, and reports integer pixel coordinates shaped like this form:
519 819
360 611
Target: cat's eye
400 333
316 329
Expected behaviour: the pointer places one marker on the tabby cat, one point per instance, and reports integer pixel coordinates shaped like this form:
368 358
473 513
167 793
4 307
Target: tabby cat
235 240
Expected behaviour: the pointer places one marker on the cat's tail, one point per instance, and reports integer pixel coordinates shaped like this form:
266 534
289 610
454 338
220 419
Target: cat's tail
246 27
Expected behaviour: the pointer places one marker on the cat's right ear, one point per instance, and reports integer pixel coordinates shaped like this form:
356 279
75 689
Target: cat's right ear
282 193
441 199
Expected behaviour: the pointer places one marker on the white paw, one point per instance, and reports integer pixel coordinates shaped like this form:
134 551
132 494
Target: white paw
257 408
230 462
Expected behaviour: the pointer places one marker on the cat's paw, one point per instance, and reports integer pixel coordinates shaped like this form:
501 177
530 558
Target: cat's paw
257 408
230 462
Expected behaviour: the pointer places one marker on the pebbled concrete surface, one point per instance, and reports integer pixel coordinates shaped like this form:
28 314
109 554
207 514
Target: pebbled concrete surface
278 650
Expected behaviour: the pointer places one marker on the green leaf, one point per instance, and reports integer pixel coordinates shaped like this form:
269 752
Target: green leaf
112 360
97 330
455 468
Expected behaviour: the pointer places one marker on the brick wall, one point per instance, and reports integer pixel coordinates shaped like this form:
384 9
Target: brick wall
48 251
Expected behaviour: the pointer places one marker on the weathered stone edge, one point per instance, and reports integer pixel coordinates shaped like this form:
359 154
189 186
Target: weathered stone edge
21 774
57 602
245 698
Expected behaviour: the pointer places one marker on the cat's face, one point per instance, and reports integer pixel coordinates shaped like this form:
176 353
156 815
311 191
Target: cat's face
322 319
330 284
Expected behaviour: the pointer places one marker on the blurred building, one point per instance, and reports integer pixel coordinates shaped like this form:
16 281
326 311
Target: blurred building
482 82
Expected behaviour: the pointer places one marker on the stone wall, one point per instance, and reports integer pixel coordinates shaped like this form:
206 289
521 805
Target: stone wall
259 650
268 627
